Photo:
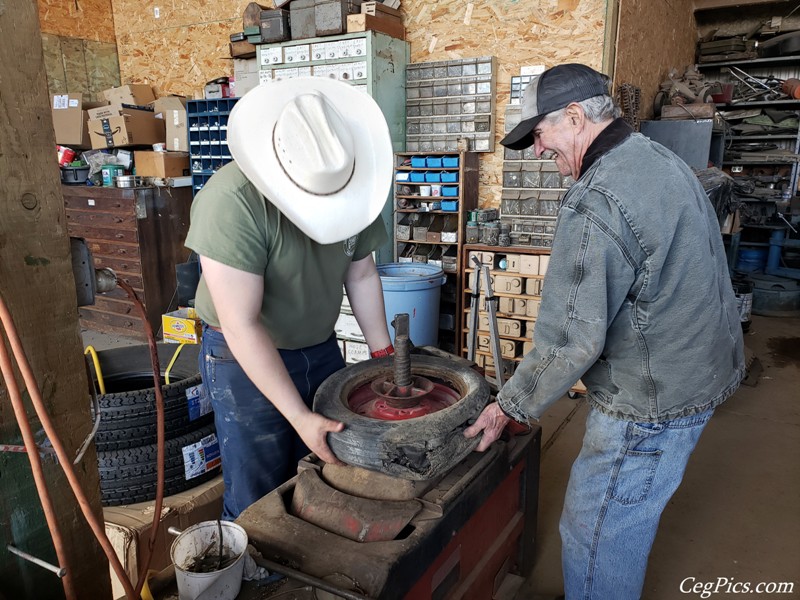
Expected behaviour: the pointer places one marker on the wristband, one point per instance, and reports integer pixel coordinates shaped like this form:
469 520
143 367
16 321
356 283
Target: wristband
388 351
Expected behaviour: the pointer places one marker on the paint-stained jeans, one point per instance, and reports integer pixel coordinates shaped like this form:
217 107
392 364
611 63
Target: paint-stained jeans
620 483
259 448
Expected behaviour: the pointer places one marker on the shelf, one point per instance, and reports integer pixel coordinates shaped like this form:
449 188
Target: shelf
489 354
424 242
766 136
410 168
508 295
502 315
764 163
757 103
425 212
508 273
755 62
533 189
452 221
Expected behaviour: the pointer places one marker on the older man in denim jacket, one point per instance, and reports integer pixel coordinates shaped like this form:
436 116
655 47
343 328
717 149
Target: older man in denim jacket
638 303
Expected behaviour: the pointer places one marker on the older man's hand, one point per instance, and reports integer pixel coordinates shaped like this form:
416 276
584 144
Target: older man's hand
491 422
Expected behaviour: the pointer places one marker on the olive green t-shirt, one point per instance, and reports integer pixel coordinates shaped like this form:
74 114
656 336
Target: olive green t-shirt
233 223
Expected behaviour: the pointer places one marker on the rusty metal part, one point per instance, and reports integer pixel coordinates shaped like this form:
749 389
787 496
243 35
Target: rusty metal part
401 395
402 362
376 399
59 571
308 579
372 484
352 517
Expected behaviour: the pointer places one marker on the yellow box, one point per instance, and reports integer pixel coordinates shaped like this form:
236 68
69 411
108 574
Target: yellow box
181 326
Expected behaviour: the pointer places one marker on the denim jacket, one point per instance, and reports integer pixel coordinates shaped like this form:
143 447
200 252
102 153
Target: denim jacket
637 299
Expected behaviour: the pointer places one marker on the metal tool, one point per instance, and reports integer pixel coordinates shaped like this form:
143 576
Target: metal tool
491 308
59 571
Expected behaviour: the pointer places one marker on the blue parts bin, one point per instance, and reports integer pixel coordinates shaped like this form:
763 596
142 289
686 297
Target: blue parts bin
450 191
751 260
450 162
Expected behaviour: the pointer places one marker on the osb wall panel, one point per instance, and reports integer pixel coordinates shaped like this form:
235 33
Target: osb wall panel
187 44
76 65
84 19
654 36
518 33
181 49
177 61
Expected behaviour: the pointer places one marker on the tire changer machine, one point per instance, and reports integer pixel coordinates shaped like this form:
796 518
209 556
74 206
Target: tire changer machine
414 513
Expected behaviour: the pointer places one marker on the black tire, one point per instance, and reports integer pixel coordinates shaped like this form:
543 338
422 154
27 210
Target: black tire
414 449
128 476
128 414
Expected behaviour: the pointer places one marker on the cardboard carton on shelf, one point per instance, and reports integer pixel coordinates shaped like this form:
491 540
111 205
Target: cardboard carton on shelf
70 119
138 94
172 110
132 128
161 164
245 75
128 527
105 111
181 326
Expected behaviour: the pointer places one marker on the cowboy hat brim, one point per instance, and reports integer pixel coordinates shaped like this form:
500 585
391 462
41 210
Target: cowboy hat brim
324 218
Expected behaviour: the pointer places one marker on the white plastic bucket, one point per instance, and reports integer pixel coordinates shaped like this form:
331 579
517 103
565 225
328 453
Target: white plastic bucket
194 542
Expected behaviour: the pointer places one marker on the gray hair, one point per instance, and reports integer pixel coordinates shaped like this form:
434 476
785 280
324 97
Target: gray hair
597 109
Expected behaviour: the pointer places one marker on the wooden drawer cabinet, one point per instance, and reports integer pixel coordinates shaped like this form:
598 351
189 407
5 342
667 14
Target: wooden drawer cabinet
139 234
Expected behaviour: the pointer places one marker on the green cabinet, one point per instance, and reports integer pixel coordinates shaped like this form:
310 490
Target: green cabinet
371 61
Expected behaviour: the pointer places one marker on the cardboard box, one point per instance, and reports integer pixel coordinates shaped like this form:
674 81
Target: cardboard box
698 110
529 264
70 119
180 326
172 110
731 224
138 94
245 75
161 164
347 327
364 22
105 111
355 351
128 527
133 128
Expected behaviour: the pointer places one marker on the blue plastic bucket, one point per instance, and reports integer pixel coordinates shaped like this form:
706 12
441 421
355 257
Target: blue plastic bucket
413 288
751 260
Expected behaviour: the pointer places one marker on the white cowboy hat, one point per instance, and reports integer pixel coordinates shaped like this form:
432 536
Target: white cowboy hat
318 149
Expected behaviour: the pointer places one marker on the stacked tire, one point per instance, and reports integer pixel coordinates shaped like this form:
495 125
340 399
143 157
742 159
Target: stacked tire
126 439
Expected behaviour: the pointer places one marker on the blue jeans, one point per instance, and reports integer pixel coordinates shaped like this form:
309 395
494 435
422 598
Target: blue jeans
259 448
620 483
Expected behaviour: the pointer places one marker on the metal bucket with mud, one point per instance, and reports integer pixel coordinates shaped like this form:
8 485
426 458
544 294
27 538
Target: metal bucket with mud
209 560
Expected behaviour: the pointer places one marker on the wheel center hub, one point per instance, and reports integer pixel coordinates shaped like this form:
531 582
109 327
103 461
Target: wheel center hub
383 399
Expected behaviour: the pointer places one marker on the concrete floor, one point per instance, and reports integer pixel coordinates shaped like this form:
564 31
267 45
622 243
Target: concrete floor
737 512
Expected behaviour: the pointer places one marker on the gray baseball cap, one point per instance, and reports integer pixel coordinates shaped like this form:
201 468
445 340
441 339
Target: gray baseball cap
554 89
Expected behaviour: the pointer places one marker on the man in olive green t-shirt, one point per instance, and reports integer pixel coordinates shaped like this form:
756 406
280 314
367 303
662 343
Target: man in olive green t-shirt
279 232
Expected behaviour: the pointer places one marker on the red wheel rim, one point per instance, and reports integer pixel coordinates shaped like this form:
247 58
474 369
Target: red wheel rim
378 400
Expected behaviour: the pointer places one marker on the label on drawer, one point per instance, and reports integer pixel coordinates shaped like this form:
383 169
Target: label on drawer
297 54
355 351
